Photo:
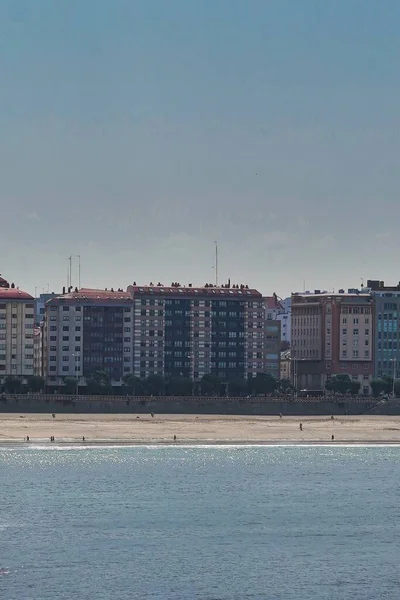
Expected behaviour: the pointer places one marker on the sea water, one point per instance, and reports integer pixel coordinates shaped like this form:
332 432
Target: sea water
206 523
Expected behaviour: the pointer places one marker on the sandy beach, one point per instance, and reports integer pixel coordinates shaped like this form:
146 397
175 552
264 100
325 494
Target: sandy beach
196 429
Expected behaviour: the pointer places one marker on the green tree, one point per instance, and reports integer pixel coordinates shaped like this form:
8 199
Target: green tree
35 383
342 384
210 385
13 385
377 386
99 382
381 386
237 387
155 385
355 388
285 386
179 386
132 385
262 383
70 384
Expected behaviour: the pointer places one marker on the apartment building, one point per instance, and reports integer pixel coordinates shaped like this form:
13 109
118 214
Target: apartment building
332 334
192 331
85 331
17 319
387 328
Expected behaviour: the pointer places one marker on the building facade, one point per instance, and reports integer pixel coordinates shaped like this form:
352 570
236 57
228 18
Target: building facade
332 334
286 371
171 331
17 321
387 328
285 318
86 331
193 331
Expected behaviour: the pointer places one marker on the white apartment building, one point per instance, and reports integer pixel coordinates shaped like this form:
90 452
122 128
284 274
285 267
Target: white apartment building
17 319
85 331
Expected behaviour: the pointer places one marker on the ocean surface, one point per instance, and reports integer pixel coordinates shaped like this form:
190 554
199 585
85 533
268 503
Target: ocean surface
204 523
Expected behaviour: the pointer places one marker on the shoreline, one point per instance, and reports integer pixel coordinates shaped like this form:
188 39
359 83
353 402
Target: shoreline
74 443
195 430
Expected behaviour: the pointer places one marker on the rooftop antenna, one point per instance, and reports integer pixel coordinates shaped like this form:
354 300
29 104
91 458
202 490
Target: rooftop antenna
79 271
216 263
70 271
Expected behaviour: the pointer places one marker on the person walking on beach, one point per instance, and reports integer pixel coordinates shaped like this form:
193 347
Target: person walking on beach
301 426
83 438
333 438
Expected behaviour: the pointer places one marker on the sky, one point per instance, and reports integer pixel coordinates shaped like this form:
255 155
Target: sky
135 133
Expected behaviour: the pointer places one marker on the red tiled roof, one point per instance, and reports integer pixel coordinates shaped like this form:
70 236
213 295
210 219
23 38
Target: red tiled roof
136 290
272 303
14 294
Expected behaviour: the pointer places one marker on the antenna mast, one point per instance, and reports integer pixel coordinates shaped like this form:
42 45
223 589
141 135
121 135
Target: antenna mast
79 271
216 264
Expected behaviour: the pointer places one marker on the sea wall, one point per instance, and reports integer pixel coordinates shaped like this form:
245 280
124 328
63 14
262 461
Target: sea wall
42 403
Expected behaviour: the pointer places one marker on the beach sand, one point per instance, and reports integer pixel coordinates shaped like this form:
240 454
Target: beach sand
196 429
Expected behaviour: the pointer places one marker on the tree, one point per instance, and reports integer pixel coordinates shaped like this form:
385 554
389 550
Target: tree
155 385
210 385
70 385
355 388
179 386
262 383
285 386
237 387
382 386
12 385
342 384
99 382
377 386
132 385
35 383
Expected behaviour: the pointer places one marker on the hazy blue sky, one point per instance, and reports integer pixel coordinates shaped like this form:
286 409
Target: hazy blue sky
134 133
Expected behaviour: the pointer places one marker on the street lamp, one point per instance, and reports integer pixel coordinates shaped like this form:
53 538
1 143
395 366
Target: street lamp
394 361
76 359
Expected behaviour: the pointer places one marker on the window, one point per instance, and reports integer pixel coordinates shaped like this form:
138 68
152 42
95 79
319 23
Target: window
65 338
53 328
53 338
367 332
77 338
65 348
65 369
77 348
65 358
355 331
53 348
52 368
77 328
66 328
65 308
127 329
344 331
